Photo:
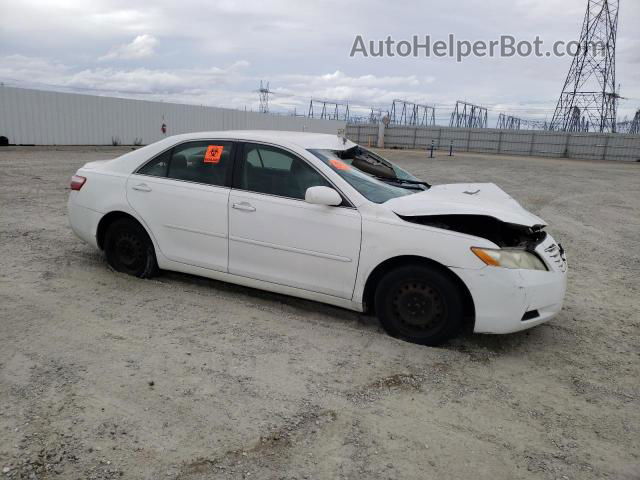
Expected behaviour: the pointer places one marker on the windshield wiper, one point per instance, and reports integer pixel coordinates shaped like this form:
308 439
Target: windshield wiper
402 180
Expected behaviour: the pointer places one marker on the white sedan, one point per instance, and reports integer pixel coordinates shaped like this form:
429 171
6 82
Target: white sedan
319 217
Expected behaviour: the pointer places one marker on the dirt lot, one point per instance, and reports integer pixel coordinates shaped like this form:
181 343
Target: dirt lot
106 376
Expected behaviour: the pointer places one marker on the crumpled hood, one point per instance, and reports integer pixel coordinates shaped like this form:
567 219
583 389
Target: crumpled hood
464 199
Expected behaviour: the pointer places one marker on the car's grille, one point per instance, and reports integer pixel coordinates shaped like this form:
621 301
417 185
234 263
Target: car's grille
555 255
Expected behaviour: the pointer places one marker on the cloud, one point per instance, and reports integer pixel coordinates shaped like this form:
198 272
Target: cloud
142 46
361 92
162 50
192 85
229 86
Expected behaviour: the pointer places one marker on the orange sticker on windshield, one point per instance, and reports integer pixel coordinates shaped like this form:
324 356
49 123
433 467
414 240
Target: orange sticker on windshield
339 164
213 154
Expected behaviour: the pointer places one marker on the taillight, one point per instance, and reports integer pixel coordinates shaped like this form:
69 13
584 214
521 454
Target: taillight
77 182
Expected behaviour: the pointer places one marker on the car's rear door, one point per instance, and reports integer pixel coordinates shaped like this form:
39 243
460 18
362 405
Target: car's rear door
182 195
274 235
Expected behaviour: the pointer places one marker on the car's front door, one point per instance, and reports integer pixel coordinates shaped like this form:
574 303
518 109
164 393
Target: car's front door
274 235
182 196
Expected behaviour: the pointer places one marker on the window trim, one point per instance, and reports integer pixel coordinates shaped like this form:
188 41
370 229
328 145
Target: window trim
239 165
229 174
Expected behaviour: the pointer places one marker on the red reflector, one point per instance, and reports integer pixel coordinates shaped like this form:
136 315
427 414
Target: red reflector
77 182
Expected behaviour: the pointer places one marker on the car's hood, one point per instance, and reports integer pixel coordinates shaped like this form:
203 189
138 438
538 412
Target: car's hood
464 199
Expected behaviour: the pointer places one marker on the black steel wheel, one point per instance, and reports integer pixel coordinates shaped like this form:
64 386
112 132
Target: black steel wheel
419 304
129 249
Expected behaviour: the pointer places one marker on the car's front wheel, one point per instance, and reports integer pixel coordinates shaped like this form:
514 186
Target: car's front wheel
419 304
129 249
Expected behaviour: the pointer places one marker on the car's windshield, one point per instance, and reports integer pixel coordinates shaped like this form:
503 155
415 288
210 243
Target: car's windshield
346 165
373 164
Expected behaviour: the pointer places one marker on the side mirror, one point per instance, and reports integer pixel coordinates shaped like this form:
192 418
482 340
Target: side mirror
322 196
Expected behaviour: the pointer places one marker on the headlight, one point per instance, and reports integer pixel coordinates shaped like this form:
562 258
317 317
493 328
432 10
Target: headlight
509 258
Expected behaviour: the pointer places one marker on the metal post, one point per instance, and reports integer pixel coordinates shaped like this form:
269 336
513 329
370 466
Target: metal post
431 150
533 142
606 147
381 133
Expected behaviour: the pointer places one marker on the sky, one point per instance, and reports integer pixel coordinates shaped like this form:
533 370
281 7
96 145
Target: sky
216 52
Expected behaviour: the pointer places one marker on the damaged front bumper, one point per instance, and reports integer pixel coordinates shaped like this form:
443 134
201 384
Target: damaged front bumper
509 300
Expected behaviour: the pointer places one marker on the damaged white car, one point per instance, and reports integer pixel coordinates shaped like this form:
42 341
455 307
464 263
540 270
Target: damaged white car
319 217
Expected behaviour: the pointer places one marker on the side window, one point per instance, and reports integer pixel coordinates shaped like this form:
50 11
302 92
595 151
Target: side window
158 166
202 162
276 172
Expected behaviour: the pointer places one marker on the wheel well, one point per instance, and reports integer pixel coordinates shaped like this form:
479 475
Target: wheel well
391 264
106 221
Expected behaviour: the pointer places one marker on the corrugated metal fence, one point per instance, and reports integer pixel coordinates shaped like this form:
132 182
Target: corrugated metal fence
35 117
513 142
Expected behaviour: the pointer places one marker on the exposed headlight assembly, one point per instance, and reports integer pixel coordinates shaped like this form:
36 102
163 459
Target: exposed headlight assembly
509 258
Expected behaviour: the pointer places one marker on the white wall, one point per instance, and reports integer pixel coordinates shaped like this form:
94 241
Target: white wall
53 118
594 146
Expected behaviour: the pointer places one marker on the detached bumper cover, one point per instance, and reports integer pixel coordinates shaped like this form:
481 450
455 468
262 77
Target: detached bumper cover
502 296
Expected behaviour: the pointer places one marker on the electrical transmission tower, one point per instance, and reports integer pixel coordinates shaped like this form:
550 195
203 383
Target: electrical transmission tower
264 93
376 115
409 113
329 110
467 115
589 100
508 122
632 127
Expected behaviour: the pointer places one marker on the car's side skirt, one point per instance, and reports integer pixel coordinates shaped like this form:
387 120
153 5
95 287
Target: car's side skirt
261 285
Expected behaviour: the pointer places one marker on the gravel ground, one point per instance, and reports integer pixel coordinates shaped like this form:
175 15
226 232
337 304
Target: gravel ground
106 376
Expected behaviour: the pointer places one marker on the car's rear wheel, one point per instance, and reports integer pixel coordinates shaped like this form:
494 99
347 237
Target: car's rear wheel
129 249
420 305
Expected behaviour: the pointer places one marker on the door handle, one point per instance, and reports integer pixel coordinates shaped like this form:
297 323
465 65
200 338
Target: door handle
142 187
244 206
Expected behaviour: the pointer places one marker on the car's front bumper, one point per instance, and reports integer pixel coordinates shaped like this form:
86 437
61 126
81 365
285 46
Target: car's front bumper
503 296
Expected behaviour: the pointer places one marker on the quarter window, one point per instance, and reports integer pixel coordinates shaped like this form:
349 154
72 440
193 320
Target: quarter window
158 166
276 172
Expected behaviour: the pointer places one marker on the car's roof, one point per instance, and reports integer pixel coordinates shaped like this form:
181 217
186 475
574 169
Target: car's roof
293 140
304 140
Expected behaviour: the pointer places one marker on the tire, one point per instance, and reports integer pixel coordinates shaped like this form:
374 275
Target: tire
420 305
129 249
